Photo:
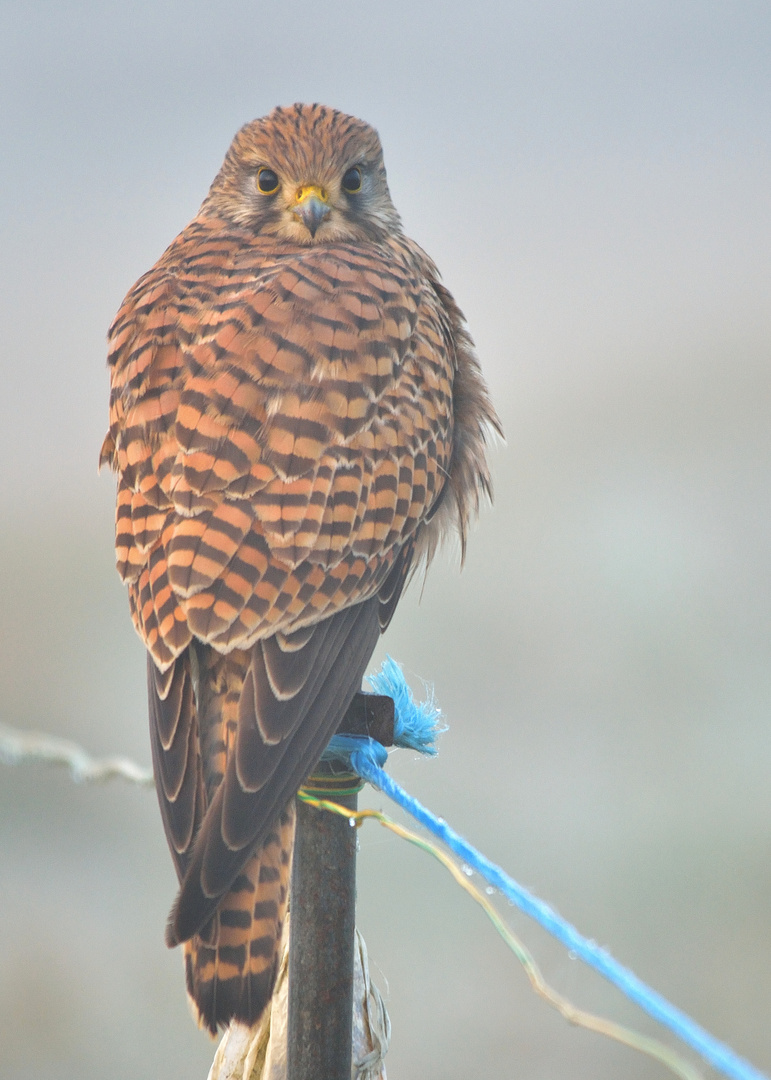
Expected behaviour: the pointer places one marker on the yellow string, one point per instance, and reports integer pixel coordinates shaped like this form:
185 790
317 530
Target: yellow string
652 1047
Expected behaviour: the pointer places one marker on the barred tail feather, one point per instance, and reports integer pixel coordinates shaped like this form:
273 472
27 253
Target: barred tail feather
231 975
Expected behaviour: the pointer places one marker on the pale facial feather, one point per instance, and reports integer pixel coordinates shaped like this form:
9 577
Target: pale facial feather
305 145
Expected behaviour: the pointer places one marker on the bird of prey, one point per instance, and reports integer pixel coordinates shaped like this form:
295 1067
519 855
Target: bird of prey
296 416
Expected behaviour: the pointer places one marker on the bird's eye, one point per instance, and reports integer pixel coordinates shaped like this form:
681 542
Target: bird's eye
267 181
352 180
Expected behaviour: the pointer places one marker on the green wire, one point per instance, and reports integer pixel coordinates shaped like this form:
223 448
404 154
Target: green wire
652 1047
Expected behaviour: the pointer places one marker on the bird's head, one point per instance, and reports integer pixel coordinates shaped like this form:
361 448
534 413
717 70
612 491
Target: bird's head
306 174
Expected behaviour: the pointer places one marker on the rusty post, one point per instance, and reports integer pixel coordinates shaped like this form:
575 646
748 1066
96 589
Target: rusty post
323 909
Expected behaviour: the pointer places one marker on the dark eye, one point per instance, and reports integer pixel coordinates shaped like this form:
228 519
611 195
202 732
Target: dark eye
267 181
352 180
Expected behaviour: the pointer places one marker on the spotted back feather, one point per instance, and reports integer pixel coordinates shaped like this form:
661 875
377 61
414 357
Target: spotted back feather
295 418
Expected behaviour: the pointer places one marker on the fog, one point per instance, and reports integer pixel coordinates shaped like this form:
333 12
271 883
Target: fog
593 181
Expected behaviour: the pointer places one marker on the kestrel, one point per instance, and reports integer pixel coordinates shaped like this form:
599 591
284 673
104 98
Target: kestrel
296 416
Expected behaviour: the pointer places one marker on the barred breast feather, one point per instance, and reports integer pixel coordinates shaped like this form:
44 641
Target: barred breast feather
281 421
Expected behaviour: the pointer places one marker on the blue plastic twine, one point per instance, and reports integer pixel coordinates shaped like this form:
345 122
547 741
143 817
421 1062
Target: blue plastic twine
417 727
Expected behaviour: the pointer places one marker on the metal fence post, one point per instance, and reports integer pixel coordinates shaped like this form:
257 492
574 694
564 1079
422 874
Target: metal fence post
323 912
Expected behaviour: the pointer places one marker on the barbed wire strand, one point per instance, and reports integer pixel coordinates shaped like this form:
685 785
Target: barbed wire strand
16 746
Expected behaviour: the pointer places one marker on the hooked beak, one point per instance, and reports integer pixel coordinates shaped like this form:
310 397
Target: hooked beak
311 206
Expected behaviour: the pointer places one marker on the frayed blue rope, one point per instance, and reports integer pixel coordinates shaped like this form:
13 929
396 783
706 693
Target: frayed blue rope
366 758
416 726
716 1053
341 748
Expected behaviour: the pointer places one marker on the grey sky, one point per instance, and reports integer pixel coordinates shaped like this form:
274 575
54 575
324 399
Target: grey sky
594 182
525 144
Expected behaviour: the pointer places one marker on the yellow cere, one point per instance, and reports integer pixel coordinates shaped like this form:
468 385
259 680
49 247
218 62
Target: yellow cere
310 191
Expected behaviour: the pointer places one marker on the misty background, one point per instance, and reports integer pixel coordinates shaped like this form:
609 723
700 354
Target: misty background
593 180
